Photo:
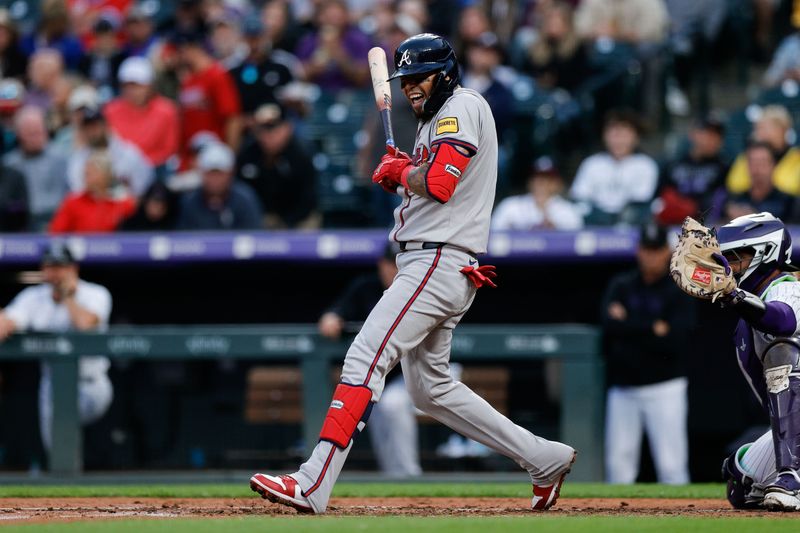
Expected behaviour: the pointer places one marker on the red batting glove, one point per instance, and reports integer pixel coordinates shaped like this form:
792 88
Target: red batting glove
389 171
481 276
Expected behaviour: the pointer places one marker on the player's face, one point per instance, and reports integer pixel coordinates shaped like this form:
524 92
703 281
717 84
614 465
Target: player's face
739 260
417 90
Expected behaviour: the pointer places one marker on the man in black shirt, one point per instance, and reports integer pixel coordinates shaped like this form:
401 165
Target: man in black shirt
279 169
694 184
646 321
259 77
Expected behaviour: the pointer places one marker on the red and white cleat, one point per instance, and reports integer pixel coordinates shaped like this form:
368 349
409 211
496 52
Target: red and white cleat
545 497
281 489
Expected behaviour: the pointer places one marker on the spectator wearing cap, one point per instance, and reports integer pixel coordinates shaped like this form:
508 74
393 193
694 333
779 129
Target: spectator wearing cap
220 203
132 170
82 97
41 165
259 77
53 32
556 57
279 169
103 57
616 185
192 177
483 57
143 117
12 98
99 208
13 63
694 183
762 195
646 323
772 127
62 303
208 97
542 207
334 56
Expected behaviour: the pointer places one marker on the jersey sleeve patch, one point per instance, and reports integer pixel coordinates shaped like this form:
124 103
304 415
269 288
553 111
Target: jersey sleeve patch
447 125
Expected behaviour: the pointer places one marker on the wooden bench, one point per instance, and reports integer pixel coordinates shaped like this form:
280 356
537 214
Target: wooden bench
273 394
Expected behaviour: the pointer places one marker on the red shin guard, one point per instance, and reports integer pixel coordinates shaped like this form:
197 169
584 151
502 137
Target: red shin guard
351 404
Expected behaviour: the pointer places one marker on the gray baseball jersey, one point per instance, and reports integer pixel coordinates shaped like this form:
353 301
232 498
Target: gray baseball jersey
785 289
465 120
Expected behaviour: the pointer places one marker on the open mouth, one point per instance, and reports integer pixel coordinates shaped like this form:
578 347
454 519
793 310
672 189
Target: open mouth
416 97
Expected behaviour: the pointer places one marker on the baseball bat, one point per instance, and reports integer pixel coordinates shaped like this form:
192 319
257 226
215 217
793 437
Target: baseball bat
383 92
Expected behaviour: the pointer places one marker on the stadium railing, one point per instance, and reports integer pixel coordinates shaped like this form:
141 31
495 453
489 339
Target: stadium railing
576 346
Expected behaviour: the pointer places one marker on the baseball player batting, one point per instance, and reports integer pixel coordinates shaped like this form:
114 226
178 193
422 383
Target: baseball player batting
442 224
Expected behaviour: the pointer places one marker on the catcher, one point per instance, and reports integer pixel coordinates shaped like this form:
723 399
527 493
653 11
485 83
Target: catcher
747 267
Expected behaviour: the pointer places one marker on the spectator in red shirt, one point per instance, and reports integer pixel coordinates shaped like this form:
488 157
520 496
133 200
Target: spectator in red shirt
96 209
208 97
141 116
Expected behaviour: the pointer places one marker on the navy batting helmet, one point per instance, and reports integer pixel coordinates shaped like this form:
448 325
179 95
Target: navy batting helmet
767 238
429 53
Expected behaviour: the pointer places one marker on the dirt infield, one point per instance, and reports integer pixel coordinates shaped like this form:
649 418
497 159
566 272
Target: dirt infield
72 509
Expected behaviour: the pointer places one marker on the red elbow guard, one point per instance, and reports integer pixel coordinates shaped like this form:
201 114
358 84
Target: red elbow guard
350 407
446 168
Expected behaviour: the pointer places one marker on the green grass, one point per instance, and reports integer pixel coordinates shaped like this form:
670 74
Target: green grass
539 524
498 490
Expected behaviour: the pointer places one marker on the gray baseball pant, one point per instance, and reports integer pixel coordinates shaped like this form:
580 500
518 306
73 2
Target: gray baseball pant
413 323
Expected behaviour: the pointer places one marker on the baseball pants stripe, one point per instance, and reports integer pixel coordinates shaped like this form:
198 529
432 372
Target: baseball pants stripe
402 314
321 476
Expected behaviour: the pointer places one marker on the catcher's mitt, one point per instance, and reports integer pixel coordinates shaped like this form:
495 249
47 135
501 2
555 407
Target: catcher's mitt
697 266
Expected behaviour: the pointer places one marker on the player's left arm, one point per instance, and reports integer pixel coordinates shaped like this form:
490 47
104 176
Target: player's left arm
437 178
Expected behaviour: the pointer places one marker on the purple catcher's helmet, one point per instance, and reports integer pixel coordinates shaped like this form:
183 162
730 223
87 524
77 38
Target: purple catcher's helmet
764 235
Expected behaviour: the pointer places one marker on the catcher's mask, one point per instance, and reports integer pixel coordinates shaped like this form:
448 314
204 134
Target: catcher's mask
428 53
763 235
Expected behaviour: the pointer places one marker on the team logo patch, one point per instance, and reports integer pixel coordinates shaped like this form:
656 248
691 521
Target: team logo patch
701 275
447 125
337 404
451 169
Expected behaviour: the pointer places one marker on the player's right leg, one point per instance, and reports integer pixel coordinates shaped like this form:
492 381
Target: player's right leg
398 323
782 377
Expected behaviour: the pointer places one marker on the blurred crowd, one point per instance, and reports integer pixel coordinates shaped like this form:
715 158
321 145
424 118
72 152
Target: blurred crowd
123 115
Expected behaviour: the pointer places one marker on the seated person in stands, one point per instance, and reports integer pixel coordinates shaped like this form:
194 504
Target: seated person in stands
694 184
279 169
763 195
542 206
785 63
557 57
132 170
220 203
334 56
617 185
100 207
157 211
483 57
772 128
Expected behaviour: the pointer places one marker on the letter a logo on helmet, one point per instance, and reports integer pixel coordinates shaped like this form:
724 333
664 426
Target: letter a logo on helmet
405 59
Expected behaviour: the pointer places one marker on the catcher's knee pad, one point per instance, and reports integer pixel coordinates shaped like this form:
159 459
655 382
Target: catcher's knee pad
347 414
740 485
781 358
